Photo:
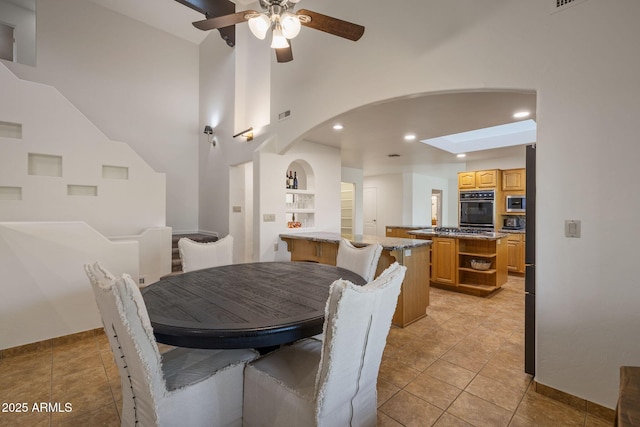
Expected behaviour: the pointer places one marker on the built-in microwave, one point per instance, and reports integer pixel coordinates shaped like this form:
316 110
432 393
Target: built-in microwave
516 204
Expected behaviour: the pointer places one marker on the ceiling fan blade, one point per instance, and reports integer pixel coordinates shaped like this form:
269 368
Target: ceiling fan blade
284 54
335 26
222 21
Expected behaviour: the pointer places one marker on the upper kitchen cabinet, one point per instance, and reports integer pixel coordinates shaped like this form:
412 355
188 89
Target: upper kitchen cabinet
478 179
514 180
466 180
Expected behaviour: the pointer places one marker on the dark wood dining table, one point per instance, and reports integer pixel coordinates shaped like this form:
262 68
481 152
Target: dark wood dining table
253 305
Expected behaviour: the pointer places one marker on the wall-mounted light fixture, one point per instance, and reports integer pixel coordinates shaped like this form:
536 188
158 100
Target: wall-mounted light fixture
247 133
208 130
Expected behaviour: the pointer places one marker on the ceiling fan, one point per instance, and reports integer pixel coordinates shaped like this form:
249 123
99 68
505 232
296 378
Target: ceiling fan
278 16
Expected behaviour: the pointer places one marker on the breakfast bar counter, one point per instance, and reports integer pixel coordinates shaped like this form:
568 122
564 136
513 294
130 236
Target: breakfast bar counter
322 247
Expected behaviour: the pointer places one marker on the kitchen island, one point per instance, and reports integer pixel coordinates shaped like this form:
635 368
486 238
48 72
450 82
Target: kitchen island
453 251
412 253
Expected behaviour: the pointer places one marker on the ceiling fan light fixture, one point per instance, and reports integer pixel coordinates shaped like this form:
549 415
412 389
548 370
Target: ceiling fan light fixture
278 40
290 25
259 25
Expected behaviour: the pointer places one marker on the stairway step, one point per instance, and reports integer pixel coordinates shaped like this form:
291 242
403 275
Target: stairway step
198 237
176 263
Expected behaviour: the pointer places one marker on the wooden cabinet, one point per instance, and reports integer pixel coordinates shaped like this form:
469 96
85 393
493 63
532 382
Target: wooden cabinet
466 180
482 282
444 267
487 179
515 244
451 264
309 250
514 180
399 232
478 179
414 295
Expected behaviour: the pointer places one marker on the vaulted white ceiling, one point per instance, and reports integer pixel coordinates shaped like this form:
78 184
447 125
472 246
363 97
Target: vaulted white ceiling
371 132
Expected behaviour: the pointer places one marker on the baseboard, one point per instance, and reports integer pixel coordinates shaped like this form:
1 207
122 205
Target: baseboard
209 233
46 345
576 402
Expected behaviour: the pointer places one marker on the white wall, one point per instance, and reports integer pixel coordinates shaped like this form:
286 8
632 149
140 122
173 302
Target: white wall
582 65
52 126
217 100
389 195
405 199
45 292
511 162
269 184
137 84
423 187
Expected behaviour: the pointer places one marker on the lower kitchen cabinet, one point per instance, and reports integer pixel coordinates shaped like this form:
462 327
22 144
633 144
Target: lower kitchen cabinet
313 251
453 263
515 244
444 266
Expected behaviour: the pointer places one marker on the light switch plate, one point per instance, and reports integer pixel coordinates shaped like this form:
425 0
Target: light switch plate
572 228
268 217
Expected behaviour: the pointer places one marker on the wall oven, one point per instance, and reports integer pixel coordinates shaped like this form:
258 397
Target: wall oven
477 208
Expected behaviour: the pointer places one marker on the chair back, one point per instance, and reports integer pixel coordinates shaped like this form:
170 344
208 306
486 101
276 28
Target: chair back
130 335
357 322
197 255
362 261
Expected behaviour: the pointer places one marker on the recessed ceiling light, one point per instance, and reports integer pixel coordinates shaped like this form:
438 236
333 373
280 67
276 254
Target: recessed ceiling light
521 114
409 137
338 126
461 155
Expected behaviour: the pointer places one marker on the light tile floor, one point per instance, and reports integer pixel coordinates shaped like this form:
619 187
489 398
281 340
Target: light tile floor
460 366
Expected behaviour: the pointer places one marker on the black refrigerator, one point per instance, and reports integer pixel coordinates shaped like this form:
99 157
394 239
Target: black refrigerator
530 265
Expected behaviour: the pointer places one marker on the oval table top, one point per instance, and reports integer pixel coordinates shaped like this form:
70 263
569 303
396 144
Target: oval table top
251 305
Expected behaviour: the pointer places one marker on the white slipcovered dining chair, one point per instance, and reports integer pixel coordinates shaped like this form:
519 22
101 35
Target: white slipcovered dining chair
198 255
332 382
189 387
362 261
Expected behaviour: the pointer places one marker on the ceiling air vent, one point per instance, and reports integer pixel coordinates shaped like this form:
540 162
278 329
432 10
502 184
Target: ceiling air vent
560 5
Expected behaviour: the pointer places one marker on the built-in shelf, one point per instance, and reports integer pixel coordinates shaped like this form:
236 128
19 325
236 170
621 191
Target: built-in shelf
346 207
45 165
10 130
300 202
473 270
115 172
10 193
82 190
478 254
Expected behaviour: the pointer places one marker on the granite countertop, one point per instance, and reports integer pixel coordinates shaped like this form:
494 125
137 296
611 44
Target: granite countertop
388 243
488 235
410 227
504 230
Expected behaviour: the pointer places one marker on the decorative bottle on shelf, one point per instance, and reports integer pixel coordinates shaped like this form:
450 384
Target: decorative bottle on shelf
287 180
295 180
290 179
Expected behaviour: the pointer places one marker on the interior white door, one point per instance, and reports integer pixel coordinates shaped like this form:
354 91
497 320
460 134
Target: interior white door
241 215
370 211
